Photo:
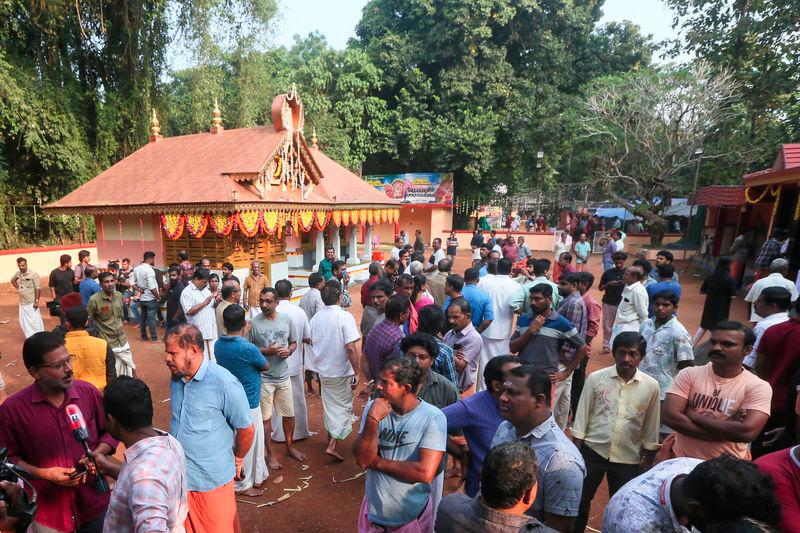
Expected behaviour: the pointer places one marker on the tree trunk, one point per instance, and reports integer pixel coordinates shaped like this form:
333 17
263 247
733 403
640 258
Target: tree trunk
656 230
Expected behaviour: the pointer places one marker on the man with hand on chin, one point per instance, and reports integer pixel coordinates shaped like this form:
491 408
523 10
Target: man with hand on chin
401 443
211 420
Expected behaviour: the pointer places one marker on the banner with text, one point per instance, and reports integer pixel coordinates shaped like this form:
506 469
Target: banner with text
416 188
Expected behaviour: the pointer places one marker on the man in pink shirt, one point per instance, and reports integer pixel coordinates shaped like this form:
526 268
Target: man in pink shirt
719 407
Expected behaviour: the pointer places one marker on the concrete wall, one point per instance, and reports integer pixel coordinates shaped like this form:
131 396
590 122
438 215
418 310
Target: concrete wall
41 260
138 235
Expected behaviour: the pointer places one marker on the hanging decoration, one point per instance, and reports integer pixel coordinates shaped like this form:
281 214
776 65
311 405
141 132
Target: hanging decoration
370 214
271 222
197 224
248 222
305 220
321 219
336 218
222 223
345 218
777 201
362 216
173 225
774 191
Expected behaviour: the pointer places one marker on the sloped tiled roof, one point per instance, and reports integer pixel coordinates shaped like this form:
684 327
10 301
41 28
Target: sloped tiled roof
193 173
719 196
785 168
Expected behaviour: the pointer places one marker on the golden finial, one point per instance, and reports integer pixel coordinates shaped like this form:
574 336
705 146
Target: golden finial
314 138
155 127
216 122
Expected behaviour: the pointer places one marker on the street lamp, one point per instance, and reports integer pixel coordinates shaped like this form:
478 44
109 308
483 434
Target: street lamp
698 153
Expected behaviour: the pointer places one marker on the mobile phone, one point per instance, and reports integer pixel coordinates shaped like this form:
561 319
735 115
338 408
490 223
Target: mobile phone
457 346
79 471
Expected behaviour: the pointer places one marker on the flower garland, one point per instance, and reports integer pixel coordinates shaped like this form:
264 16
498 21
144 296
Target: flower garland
777 201
336 218
197 224
321 219
173 225
222 224
305 220
345 218
774 191
249 222
271 221
370 214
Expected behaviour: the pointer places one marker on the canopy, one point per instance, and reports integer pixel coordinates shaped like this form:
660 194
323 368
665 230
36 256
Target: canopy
679 208
611 212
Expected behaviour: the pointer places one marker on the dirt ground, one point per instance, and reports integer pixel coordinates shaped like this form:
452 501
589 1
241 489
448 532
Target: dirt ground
328 503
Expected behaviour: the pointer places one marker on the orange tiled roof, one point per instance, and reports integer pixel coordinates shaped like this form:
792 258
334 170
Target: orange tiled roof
195 173
786 168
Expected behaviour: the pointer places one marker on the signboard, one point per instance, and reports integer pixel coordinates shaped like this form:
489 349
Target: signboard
416 188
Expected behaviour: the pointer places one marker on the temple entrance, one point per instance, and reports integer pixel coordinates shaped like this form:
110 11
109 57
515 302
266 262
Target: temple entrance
234 248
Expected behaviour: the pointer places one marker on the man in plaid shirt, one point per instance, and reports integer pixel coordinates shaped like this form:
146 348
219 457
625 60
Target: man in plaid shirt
573 308
150 493
770 251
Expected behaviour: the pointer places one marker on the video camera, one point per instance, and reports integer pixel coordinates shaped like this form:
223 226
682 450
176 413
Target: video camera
25 509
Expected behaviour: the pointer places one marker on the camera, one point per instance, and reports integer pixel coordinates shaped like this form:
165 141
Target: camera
25 509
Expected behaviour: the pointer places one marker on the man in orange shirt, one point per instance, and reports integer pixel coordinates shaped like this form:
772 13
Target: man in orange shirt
93 359
719 407
251 289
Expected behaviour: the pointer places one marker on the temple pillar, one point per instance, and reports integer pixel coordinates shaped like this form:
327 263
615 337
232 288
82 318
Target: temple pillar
368 244
319 247
352 246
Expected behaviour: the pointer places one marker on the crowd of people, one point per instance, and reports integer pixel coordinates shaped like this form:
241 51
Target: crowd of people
481 376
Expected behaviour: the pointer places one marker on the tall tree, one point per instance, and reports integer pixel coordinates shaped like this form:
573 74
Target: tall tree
647 126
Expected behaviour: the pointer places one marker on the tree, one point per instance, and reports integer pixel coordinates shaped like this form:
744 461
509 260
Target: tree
647 126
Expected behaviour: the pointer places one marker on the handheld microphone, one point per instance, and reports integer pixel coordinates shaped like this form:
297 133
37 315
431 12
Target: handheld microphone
77 424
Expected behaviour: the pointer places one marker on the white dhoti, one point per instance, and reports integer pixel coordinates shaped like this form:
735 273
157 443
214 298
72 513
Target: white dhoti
208 349
30 320
619 328
491 348
253 312
337 406
562 397
124 360
300 413
254 465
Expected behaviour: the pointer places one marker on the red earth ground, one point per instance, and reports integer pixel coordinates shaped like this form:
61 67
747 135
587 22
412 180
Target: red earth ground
325 505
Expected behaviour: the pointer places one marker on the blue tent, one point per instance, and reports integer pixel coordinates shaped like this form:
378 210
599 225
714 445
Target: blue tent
611 212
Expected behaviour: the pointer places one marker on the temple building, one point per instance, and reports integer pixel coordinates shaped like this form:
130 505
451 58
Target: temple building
235 196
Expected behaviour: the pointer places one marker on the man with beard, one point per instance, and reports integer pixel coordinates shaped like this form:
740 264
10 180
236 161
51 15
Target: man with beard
211 420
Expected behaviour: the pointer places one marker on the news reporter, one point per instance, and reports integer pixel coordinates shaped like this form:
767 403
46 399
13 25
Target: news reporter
34 427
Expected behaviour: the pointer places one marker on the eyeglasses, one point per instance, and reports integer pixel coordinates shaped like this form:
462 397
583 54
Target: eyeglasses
59 365
267 302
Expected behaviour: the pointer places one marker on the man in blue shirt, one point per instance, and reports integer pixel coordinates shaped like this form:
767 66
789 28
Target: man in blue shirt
411 436
245 361
666 282
211 419
478 416
664 257
479 302
89 285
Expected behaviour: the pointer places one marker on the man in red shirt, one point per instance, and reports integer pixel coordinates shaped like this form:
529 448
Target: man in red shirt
784 467
777 362
375 272
34 426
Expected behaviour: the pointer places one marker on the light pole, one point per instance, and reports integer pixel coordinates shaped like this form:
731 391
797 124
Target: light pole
698 152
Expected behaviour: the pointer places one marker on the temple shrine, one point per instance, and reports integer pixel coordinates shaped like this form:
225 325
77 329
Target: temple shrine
234 196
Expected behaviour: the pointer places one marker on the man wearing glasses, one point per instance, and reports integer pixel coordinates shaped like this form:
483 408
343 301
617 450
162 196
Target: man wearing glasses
196 301
34 428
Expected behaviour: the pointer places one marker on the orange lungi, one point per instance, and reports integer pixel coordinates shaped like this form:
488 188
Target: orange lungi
213 511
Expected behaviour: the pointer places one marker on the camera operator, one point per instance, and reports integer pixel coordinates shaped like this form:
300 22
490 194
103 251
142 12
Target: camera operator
12 492
35 428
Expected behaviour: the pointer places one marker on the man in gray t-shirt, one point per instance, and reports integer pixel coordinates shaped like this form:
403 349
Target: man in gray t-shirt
272 332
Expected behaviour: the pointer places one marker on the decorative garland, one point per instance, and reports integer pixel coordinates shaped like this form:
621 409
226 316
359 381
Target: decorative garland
321 219
336 218
270 219
173 225
249 222
305 220
777 201
767 189
197 224
222 224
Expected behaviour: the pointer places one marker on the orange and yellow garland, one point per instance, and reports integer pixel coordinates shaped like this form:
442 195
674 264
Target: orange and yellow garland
251 223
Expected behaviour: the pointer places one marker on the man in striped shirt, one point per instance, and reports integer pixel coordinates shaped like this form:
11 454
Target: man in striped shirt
196 301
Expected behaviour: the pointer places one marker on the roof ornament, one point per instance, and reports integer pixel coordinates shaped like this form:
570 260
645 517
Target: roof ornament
314 139
155 128
216 122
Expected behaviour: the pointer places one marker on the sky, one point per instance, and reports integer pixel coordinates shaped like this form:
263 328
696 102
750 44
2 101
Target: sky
337 19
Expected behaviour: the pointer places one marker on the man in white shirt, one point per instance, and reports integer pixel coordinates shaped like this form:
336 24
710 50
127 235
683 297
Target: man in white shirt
684 494
773 304
562 245
398 245
777 278
144 279
632 310
334 335
196 301
302 330
438 255
500 289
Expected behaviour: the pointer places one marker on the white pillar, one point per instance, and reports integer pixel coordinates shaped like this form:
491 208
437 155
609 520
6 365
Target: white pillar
336 241
352 246
368 244
319 247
